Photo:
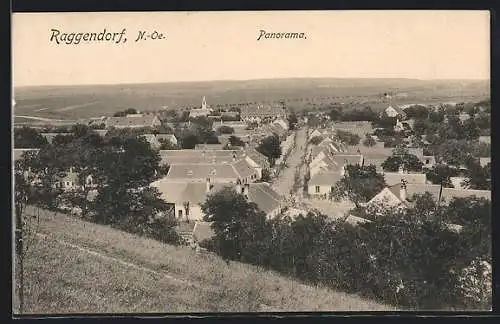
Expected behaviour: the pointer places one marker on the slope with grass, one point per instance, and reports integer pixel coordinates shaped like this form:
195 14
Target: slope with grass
78 267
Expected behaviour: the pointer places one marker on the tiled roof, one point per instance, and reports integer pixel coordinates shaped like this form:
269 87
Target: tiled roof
243 169
202 171
392 178
264 197
449 193
325 179
209 147
416 189
130 121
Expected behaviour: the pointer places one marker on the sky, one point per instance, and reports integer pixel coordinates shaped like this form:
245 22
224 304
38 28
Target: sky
203 46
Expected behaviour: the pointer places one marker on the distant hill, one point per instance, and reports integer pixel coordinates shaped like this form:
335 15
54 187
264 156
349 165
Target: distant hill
74 102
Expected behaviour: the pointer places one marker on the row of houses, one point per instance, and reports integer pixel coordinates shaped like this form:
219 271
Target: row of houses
194 174
328 160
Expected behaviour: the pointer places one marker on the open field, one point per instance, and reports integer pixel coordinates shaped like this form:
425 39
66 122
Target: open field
73 102
78 267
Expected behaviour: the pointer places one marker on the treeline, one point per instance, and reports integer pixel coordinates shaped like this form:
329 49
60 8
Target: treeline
407 258
120 168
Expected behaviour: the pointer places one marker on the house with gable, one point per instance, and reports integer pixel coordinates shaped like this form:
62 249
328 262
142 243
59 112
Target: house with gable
394 111
401 195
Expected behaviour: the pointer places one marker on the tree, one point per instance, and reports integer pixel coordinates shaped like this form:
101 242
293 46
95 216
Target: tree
440 174
292 121
369 141
271 148
348 137
335 114
419 127
188 140
401 158
478 177
359 184
237 223
417 111
470 130
225 130
316 140
27 137
236 141
129 111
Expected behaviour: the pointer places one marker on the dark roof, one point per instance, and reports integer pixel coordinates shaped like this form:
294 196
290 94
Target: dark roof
264 197
325 179
146 120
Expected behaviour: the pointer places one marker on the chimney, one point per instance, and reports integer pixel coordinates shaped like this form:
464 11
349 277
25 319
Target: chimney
71 170
402 191
209 185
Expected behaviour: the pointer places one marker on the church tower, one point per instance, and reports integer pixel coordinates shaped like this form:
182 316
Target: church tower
203 103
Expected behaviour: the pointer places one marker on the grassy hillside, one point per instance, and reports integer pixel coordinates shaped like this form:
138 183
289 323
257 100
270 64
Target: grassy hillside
78 267
72 102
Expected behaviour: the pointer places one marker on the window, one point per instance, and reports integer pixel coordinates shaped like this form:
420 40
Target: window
427 161
187 212
179 213
67 183
317 189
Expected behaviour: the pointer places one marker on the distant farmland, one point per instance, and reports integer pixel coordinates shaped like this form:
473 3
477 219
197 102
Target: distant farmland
73 102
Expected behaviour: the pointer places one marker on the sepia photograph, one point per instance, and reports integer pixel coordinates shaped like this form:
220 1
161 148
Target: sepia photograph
251 162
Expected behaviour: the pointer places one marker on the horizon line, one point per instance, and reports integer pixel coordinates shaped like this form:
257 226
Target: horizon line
251 79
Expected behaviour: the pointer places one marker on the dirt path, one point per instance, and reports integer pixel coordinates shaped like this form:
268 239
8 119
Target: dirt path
286 178
115 260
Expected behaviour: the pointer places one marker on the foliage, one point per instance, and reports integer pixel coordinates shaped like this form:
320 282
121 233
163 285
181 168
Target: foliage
417 111
236 141
237 224
369 141
129 111
316 140
478 177
406 257
271 148
27 137
441 174
348 137
397 160
292 121
359 184
225 130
